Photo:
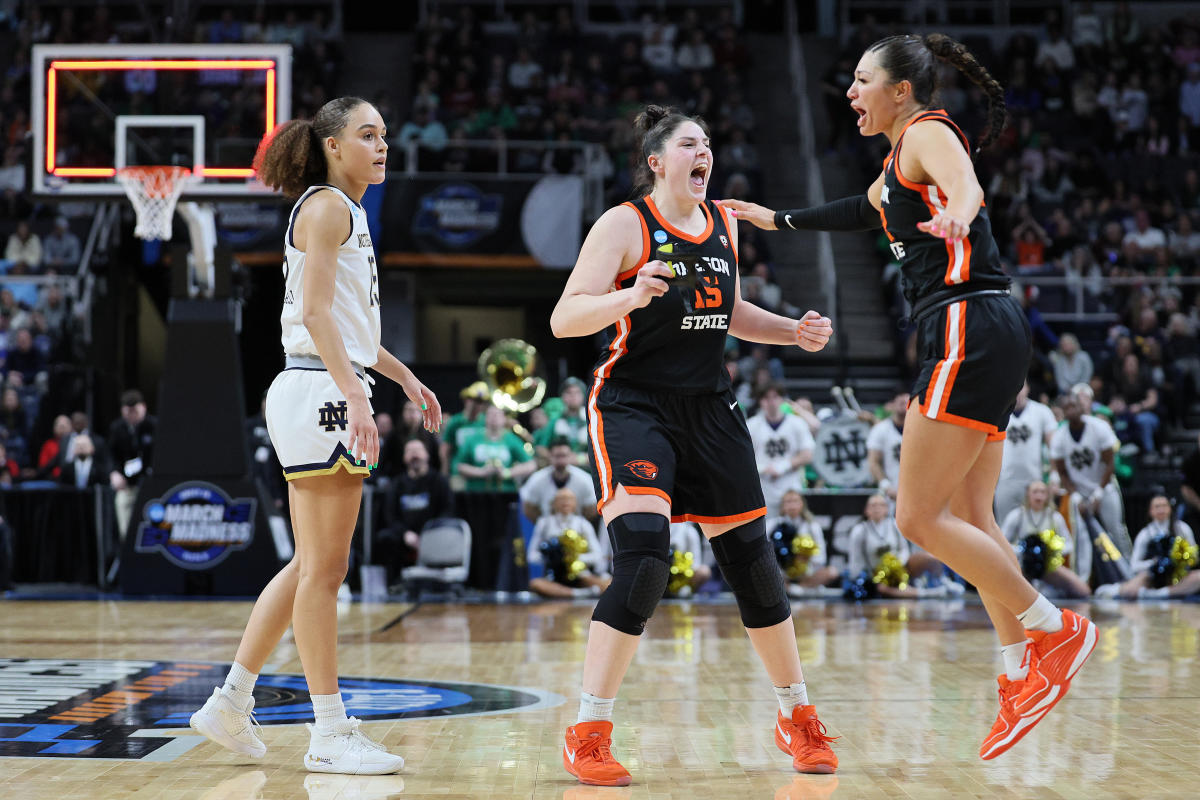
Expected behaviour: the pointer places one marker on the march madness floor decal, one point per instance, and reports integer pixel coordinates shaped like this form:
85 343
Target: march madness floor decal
82 708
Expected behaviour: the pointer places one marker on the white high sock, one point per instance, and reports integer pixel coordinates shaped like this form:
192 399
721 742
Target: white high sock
1014 660
791 696
1146 593
1041 616
594 709
329 710
239 685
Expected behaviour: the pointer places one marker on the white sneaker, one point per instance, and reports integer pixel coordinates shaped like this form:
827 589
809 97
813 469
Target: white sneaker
954 588
224 723
1107 590
347 751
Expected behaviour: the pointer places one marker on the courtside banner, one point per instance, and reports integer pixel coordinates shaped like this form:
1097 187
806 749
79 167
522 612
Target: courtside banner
539 217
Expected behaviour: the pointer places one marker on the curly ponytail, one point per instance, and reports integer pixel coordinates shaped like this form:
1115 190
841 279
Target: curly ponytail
914 59
291 158
956 55
653 127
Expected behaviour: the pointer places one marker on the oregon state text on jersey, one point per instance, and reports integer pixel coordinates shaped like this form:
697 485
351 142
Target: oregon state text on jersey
929 263
356 289
661 346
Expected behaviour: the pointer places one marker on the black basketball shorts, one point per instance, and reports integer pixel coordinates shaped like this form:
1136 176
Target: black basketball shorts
974 358
694 451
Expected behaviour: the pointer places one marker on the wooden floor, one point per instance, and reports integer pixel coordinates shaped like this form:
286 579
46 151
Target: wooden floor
910 688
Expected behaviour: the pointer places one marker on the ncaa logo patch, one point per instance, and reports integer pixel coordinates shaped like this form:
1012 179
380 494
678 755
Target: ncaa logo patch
660 237
83 708
643 469
195 525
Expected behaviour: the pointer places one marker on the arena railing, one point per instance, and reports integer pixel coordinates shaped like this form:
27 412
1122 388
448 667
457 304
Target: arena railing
1082 291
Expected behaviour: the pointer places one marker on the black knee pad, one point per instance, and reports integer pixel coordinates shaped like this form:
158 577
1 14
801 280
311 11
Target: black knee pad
748 564
641 545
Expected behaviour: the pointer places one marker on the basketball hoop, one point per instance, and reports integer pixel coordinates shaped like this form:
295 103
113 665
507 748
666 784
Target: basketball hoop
154 191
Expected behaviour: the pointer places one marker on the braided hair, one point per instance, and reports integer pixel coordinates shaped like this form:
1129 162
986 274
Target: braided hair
914 59
654 127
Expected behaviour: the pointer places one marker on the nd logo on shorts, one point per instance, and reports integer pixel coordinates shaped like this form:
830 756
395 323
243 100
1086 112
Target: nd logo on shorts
643 469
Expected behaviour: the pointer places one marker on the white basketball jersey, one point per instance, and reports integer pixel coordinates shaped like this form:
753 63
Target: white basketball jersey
1027 433
886 437
1083 458
356 289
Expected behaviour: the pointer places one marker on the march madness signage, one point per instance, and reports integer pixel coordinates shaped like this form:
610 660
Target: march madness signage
84 708
195 525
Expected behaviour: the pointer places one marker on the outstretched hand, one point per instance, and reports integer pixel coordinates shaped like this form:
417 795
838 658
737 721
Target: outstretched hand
756 215
946 226
813 331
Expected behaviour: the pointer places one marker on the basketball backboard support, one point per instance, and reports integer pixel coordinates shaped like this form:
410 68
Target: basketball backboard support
97 108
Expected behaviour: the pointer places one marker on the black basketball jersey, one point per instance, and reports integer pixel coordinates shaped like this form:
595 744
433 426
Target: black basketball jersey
930 264
662 347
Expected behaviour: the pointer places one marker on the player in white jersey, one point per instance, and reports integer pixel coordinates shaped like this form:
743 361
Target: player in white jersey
319 418
1081 452
883 446
1031 426
783 444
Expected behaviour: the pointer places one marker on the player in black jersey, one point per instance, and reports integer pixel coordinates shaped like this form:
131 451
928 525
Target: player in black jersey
975 346
668 441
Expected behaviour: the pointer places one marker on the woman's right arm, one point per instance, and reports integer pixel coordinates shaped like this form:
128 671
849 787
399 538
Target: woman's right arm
588 303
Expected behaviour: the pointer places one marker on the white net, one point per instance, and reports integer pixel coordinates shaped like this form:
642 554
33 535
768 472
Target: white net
154 191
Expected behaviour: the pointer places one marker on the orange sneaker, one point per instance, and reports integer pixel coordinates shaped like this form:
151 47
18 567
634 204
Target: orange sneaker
586 755
1010 726
803 738
1054 660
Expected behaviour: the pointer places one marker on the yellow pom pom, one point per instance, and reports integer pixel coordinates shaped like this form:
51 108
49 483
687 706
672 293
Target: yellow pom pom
682 571
890 572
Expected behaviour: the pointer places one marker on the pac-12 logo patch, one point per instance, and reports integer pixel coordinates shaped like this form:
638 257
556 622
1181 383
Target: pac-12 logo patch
83 708
195 525
643 469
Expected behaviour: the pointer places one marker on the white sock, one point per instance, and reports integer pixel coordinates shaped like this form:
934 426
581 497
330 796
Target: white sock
328 709
1154 594
239 685
791 696
1042 616
1014 660
594 709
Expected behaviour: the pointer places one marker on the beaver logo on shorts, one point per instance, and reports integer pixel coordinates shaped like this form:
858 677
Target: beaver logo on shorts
643 469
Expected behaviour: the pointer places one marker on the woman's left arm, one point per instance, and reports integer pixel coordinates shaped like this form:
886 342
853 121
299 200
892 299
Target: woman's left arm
391 367
942 159
753 324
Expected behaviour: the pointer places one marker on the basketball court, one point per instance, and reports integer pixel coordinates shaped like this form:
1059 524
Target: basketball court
476 697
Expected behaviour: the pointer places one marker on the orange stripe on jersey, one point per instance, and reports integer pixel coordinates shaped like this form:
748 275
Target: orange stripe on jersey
994 434
645 247
728 231
595 423
648 490
745 516
697 239
958 254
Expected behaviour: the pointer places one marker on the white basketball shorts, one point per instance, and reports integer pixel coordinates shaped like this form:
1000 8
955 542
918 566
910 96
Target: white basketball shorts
307 421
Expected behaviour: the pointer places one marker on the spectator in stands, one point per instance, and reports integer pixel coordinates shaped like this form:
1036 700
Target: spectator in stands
24 249
1030 243
522 70
760 356
461 99
570 423
86 469
883 445
493 458
417 495
412 426
1189 97
290 31
1032 517
564 516
538 492
9 469
658 50
1055 49
226 30
131 447
1184 243
1072 364
24 361
458 427
50 461
783 446
1152 542
694 53
795 519
61 249
1087 32
1135 402
424 129
1144 241
14 425
1082 453
12 183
